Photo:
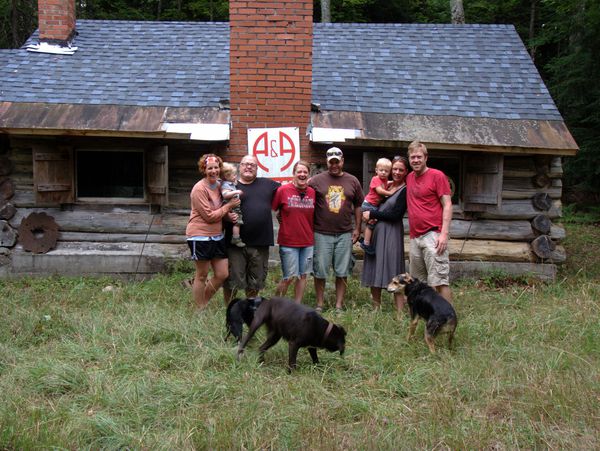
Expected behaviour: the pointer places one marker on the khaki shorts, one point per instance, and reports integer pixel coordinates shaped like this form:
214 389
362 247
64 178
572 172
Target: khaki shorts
426 264
248 267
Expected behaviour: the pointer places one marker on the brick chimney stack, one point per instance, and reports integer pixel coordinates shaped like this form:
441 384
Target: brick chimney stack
56 19
270 67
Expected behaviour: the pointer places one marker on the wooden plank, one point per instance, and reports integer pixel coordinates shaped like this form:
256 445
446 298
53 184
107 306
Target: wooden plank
522 209
474 270
482 250
81 258
117 221
121 238
465 269
522 188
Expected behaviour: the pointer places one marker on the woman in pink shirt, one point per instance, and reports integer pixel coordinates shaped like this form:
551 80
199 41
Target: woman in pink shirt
204 230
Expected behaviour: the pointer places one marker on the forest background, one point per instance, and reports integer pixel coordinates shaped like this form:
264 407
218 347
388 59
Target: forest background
562 36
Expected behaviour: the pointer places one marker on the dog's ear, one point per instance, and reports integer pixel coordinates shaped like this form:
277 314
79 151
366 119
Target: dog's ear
342 330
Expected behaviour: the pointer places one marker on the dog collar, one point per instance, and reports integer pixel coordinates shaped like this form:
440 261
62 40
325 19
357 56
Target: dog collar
327 331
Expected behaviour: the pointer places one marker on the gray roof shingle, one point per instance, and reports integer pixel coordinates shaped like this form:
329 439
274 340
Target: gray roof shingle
458 70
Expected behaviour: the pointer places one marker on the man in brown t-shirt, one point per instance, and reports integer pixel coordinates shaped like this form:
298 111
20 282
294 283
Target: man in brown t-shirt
337 225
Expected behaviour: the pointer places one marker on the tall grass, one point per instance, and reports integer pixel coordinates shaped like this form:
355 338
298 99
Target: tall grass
136 367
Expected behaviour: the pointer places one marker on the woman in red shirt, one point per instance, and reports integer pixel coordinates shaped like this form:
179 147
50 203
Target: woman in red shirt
204 230
295 203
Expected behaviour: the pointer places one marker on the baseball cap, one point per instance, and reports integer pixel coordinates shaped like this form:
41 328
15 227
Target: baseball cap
334 153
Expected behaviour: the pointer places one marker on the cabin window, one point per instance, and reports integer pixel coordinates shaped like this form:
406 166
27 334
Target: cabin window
63 175
109 174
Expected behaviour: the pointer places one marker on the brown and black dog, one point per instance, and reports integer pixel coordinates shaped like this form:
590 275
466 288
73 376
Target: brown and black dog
426 303
299 324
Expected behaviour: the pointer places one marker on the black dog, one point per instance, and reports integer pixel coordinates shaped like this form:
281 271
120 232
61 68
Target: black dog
240 311
300 325
428 304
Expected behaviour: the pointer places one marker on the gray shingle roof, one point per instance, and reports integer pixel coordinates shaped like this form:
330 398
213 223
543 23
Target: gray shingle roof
178 64
460 70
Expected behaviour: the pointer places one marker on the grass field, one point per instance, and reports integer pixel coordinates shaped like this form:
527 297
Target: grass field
136 367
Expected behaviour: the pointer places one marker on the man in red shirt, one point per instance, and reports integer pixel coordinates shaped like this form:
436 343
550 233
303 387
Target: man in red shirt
429 216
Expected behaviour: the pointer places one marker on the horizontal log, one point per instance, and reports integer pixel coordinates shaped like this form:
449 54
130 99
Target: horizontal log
124 224
498 230
480 250
98 258
463 270
474 270
110 222
522 209
121 238
525 167
520 188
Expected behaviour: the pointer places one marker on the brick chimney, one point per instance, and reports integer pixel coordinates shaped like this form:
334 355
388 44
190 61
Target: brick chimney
56 20
270 67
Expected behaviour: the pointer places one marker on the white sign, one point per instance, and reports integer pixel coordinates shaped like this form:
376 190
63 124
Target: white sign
276 149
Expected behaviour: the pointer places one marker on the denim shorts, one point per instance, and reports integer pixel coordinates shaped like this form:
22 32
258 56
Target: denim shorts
366 206
333 250
425 263
296 261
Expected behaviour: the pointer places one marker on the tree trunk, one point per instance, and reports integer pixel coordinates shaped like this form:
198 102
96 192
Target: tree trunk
457 12
325 11
14 23
532 29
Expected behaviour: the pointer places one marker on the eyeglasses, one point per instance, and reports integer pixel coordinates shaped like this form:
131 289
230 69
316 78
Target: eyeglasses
249 165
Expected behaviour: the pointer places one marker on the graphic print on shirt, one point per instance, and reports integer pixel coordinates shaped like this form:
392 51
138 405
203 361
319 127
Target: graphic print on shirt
300 201
335 198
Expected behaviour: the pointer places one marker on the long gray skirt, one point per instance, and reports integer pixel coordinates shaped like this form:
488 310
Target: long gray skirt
388 261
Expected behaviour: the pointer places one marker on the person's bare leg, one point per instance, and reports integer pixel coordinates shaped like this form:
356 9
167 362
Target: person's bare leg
340 291
400 302
299 288
220 273
199 285
227 295
367 236
376 296
282 287
445 291
320 291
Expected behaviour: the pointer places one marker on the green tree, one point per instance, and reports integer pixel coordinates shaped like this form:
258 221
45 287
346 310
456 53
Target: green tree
571 37
18 18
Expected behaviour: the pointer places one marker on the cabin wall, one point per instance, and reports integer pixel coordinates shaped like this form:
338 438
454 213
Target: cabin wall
127 239
143 239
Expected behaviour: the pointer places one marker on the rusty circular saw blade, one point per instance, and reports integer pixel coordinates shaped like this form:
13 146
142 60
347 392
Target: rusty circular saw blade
38 233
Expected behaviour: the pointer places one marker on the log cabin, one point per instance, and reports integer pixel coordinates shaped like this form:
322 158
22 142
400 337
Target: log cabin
102 122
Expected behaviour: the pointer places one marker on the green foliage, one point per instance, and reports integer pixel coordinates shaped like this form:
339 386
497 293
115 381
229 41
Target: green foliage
18 19
573 35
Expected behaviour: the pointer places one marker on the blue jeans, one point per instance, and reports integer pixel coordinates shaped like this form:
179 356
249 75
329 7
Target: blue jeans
333 250
296 261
